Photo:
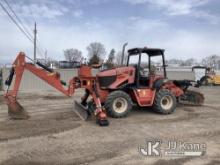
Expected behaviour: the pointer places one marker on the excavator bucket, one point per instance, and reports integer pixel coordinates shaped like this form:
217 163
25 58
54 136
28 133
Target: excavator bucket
16 111
81 111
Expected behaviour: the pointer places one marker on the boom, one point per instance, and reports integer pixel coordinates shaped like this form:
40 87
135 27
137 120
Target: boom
83 80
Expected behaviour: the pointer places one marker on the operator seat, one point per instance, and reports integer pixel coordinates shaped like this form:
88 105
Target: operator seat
143 79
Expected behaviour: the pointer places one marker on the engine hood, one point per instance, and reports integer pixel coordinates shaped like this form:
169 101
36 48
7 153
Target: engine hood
116 71
115 77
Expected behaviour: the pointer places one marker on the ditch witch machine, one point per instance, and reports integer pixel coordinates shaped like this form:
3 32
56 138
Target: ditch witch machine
111 92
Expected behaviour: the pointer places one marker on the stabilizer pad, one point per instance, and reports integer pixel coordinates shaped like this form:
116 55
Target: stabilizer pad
81 111
102 123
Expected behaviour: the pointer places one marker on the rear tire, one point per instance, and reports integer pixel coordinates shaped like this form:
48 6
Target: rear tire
118 104
164 102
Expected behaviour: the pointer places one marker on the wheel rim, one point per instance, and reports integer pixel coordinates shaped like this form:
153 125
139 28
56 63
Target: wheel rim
166 102
120 105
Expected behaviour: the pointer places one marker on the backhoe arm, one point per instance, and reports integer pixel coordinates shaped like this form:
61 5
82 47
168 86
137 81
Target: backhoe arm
83 80
46 74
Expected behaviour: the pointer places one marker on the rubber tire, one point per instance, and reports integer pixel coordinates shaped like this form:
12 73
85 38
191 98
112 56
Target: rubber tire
157 102
110 100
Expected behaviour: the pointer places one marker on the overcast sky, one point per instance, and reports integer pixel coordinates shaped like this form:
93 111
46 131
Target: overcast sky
185 28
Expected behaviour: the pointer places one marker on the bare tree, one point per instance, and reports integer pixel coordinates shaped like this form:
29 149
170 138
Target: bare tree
211 61
175 61
110 60
50 62
73 55
188 62
96 52
118 58
191 61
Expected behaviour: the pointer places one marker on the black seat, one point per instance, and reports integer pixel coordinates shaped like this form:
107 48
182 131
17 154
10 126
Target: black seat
143 80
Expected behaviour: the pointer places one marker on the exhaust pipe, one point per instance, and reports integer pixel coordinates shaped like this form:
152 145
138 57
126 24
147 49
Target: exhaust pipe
123 54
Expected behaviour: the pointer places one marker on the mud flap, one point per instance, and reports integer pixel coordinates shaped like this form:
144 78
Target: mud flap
80 110
16 111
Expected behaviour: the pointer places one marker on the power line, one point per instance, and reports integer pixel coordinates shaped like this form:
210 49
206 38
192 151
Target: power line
40 50
15 22
21 27
19 20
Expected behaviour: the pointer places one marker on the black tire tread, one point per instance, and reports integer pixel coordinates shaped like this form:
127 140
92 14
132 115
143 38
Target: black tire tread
110 99
156 106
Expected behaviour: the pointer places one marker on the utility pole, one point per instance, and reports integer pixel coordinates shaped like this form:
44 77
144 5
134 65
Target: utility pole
35 42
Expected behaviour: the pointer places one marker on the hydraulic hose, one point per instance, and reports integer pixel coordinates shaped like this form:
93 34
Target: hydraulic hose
10 77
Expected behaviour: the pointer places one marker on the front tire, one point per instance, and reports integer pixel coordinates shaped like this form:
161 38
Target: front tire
164 102
118 104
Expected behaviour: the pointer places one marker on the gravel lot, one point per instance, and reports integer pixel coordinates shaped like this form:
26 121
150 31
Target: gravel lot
55 135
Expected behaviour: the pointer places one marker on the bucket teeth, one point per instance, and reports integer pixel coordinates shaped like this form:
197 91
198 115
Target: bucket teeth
81 111
17 112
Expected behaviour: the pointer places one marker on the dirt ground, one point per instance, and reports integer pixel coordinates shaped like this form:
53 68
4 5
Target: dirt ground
55 135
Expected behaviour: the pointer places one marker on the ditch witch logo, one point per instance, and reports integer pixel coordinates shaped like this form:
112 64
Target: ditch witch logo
172 148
